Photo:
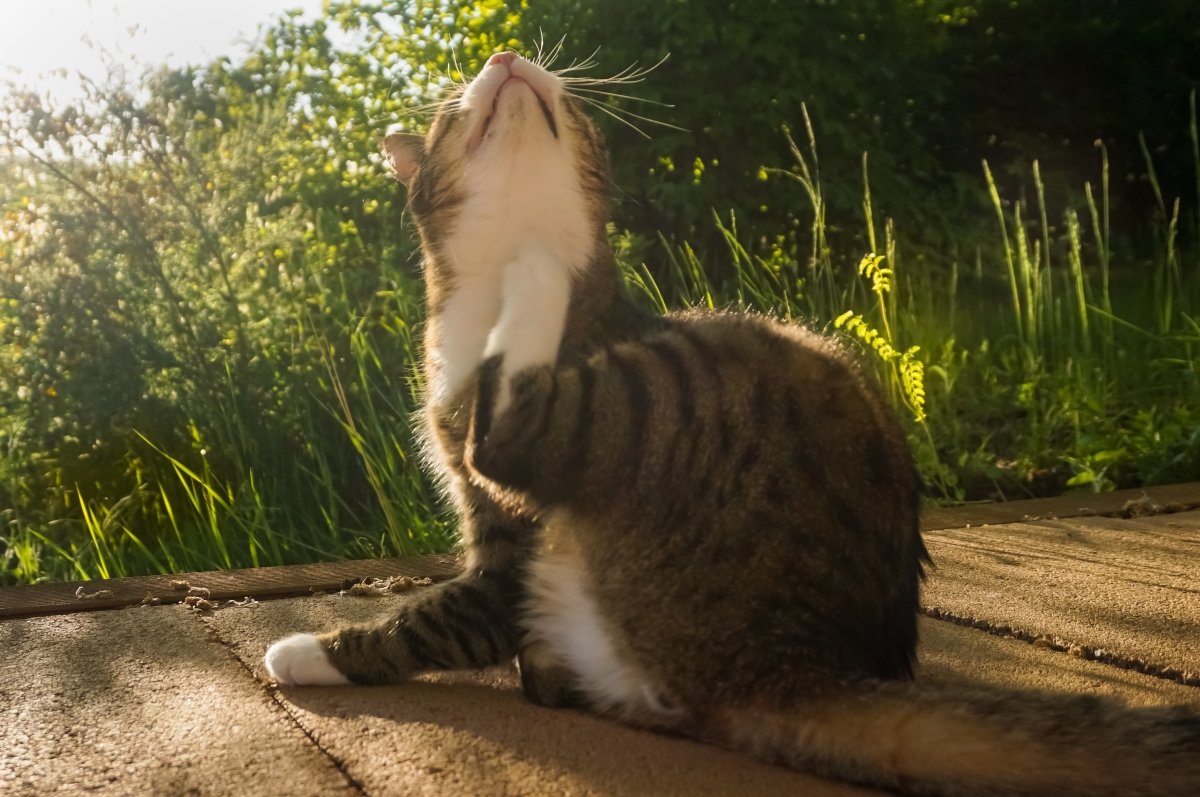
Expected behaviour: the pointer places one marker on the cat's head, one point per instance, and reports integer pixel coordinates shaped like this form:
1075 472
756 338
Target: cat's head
511 128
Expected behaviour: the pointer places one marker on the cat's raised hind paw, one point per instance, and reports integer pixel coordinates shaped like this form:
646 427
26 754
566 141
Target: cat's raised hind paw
301 660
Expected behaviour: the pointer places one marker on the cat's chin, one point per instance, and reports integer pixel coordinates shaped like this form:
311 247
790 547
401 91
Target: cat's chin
301 660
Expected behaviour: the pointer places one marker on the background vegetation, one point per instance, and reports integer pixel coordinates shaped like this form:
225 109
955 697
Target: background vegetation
210 301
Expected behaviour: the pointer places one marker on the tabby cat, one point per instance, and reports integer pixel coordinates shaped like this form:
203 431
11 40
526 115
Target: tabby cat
705 523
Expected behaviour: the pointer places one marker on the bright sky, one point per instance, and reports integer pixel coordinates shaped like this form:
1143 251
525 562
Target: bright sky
38 37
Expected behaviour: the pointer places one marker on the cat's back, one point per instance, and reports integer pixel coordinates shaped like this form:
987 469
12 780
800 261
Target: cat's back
793 398
767 507
754 416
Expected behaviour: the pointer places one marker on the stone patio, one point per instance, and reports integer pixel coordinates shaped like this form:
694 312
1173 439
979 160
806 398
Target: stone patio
101 695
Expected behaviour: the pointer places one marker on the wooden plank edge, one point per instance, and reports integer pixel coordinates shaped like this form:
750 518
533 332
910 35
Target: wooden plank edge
214 586
292 580
1139 501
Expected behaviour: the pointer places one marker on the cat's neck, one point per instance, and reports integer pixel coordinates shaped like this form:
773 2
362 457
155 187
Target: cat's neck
464 306
600 309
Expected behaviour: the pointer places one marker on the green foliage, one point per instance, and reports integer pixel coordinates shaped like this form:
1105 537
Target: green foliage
206 309
1046 80
209 300
928 87
907 373
736 73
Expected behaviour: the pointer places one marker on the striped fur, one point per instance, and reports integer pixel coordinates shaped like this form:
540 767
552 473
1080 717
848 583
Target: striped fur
704 522
923 739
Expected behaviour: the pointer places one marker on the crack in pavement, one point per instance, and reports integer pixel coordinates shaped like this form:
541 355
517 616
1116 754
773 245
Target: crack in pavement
272 693
1061 645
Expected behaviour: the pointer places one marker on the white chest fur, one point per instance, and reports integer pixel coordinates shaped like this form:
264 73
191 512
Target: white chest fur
460 333
521 234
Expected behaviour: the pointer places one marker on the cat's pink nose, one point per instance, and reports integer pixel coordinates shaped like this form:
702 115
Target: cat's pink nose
502 58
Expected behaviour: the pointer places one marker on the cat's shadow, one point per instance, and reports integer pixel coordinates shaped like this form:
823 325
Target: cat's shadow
477 727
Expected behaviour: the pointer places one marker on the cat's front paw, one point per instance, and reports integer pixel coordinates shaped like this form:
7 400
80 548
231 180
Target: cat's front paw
535 293
300 659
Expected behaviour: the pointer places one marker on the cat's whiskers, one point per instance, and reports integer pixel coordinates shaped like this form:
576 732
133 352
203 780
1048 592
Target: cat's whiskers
590 90
456 67
589 62
630 74
605 109
440 91
545 59
618 95
624 115
425 108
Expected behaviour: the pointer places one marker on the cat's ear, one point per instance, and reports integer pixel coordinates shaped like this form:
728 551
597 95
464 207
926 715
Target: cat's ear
404 151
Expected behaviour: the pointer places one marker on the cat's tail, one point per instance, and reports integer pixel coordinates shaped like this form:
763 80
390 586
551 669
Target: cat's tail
923 739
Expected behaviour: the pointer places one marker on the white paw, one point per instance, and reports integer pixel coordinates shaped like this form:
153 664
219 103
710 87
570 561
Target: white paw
301 659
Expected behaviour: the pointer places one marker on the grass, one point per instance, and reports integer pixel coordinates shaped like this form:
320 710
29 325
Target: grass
1047 360
226 503
1055 361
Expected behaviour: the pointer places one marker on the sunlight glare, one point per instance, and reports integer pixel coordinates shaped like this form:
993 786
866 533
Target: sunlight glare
46 44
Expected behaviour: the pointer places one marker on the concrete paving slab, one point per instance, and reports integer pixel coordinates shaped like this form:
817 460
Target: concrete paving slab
163 700
143 702
957 655
473 733
1125 591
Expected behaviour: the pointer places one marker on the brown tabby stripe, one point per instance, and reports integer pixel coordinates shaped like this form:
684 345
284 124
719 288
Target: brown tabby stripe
427 634
700 361
485 401
469 606
434 145
683 441
406 638
547 412
390 668
469 635
638 399
489 531
468 622
709 363
810 460
581 435
478 646
754 439
698 342
673 360
472 641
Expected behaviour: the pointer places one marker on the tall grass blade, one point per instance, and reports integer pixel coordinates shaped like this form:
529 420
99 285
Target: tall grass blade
994 193
1075 258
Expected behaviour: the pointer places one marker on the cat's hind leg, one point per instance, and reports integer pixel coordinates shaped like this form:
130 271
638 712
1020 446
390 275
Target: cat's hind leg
545 679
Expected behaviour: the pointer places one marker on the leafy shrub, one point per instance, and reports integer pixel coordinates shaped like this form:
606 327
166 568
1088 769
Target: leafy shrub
209 298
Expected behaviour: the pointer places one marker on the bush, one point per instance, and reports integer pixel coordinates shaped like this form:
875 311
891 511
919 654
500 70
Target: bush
208 299
208 296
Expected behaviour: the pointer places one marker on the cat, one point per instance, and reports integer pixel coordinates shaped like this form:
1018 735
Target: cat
704 522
